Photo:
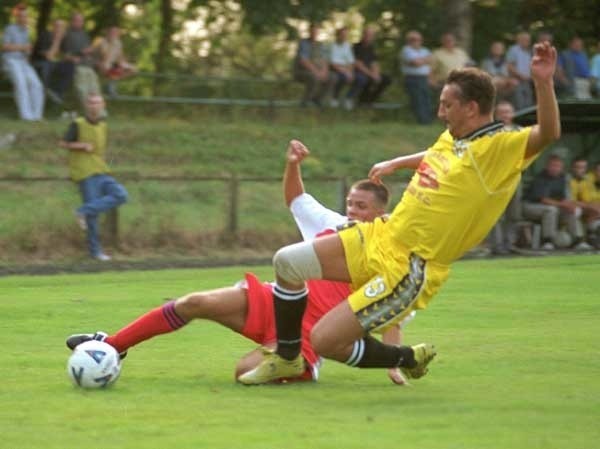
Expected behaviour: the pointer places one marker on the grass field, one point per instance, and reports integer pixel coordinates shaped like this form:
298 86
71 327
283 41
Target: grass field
518 367
184 217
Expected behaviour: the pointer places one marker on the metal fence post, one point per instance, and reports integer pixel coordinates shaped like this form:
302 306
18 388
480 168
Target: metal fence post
232 222
342 192
112 222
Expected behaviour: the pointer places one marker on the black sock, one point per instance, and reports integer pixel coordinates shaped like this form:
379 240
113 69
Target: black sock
371 353
289 310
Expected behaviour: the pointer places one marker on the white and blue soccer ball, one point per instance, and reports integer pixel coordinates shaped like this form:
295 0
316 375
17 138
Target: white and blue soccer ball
94 364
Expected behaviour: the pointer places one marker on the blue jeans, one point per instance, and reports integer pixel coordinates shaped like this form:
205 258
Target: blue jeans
99 194
420 97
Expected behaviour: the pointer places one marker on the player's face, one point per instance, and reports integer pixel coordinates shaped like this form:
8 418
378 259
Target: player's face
94 107
362 205
505 113
554 167
579 169
452 111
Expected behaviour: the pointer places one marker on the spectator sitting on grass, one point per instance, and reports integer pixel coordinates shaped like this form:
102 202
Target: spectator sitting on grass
504 234
582 192
111 60
445 59
575 70
56 75
341 62
547 200
77 49
28 89
518 59
369 82
595 71
495 65
311 68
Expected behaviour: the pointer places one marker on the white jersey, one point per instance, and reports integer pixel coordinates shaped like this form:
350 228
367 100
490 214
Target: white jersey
313 218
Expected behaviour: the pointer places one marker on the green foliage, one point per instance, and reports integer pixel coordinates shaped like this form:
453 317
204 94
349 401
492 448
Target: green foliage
517 360
267 16
252 37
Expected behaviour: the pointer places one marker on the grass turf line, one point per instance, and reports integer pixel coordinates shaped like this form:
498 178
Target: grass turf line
518 366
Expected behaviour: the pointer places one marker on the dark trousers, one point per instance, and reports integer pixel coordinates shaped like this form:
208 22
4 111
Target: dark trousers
366 89
339 80
56 75
314 88
420 97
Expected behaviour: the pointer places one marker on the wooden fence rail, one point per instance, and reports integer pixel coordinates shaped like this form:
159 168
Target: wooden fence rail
233 181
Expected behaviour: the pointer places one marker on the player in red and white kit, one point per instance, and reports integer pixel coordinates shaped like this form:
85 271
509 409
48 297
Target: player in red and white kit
247 307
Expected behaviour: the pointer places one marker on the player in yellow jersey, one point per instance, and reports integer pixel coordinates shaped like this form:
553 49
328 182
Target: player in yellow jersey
462 184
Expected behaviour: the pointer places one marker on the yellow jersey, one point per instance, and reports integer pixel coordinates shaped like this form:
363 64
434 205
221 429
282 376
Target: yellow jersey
593 184
83 164
581 189
459 191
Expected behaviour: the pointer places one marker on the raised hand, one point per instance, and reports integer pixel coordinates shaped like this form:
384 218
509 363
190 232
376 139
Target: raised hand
296 152
381 169
543 63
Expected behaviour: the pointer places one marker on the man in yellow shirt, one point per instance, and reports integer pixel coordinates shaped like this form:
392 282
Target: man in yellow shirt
462 184
86 142
594 181
584 191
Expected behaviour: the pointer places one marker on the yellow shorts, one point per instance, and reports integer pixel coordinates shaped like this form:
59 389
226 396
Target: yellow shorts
388 280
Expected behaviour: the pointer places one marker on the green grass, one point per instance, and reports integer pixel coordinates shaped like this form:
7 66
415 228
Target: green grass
518 367
182 216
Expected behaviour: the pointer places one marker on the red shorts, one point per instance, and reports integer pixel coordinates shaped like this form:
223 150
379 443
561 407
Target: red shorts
260 323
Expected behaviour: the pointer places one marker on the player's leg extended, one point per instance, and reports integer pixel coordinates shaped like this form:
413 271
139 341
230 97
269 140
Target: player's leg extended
322 259
227 306
340 336
343 334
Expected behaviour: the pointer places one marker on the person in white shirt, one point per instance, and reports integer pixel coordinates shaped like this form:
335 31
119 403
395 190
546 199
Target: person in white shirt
365 201
29 91
341 62
416 60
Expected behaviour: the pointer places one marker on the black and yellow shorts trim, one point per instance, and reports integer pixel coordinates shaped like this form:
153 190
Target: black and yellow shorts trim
388 283
390 303
395 302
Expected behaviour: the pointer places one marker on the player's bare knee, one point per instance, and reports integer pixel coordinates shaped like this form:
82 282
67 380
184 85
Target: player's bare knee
192 306
296 263
283 262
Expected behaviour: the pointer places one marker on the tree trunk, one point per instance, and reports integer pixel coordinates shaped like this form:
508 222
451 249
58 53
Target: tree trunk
44 16
459 21
164 45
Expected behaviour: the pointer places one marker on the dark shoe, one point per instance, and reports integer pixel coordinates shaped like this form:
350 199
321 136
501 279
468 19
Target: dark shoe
76 339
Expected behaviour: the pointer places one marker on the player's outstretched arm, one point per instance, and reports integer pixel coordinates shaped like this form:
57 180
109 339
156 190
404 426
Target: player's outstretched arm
292 176
388 167
547 129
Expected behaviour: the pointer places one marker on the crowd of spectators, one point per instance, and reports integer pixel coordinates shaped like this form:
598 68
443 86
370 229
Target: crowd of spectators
346 74
326 69
62 59
565 206
341 74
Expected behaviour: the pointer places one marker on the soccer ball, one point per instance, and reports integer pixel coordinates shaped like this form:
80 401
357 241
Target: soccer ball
94 364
